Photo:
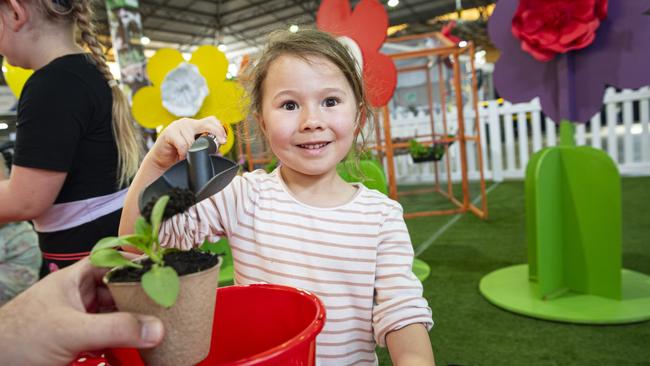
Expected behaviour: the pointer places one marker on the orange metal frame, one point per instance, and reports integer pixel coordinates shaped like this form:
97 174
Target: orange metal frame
385 147
244 148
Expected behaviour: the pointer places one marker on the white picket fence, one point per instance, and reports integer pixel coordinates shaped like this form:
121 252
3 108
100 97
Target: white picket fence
511 133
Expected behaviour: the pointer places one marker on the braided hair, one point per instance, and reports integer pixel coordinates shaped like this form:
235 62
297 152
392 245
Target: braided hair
129 147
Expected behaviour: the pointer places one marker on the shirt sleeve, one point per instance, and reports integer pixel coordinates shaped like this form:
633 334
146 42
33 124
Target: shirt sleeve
53 113
398 293
20 259
209 219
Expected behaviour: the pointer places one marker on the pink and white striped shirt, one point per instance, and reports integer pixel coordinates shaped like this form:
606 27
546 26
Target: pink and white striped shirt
356 257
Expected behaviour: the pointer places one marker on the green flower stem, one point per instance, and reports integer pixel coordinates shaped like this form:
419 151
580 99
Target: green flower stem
156 255
567 133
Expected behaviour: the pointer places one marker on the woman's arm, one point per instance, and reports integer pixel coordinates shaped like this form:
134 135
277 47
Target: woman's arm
410 346
28 193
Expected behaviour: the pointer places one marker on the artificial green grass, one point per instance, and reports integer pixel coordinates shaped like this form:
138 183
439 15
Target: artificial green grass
470 331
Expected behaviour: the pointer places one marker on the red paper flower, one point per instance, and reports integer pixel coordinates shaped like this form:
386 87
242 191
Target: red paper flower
549 27
618 57
363 31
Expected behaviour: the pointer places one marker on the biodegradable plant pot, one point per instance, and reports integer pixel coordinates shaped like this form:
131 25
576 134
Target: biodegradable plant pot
188 323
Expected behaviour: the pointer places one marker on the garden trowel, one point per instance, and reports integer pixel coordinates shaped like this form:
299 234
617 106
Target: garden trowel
203 172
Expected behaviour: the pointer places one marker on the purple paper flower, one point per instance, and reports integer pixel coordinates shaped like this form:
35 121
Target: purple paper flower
571 86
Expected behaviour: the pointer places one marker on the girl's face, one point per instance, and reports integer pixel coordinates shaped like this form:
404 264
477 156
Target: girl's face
309 114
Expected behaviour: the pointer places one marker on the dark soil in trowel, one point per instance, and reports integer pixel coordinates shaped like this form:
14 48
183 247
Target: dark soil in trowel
184 262
180 199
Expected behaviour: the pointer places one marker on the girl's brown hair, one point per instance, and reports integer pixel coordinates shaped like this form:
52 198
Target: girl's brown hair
129 143
304 44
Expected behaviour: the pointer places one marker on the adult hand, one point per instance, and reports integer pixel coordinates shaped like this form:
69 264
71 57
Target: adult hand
173 143
54 320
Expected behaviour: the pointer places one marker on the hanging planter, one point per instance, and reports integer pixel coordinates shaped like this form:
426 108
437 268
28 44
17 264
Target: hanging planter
420 153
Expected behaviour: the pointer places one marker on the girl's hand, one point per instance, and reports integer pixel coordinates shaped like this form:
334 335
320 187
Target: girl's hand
173 143
170 147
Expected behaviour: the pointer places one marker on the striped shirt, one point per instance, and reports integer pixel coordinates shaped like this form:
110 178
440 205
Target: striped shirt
356 257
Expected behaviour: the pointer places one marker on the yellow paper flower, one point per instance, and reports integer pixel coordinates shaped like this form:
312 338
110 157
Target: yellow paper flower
183 91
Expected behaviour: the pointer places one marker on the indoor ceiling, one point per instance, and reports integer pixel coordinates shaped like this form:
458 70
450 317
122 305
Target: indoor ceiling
241 25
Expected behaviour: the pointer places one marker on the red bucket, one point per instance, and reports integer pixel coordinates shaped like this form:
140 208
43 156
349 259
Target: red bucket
258 325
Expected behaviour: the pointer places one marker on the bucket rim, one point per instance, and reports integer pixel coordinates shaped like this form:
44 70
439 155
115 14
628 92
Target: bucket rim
306 335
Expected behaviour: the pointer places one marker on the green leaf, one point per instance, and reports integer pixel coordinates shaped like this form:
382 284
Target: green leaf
157 214
220 247
162 285
107 242
137 241
142 227
142 242
110 258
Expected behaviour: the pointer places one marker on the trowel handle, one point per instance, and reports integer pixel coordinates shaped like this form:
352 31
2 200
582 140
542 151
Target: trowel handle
198 161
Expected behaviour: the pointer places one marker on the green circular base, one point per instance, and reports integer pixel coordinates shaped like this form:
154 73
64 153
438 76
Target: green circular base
509 288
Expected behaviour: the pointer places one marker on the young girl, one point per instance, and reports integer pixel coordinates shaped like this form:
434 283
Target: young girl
76 146
302 225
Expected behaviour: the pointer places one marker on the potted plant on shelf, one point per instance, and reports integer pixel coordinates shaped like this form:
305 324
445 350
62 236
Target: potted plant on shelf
421 153
179 287
451 139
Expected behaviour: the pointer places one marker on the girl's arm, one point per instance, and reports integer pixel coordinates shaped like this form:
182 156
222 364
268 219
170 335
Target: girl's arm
170 147
28 193
410 346
401 316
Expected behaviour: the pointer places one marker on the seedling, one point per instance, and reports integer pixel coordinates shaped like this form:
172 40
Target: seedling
160 283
